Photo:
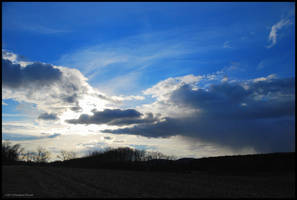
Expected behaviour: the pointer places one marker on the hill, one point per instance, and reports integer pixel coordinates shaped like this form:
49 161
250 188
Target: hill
243 163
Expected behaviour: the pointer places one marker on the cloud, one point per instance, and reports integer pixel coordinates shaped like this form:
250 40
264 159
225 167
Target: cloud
126 59
243 114
274 29
225 79
233 66
36 75
76 108
44 29
268 98
4 104
162 89
107 138
51 88
227 45
51 135
47 116
7 55
113 117
22 137
55 94
130 53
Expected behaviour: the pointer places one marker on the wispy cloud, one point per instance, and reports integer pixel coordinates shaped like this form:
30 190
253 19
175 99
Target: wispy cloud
134 52
45 30
227 45
261 65
21 137
37 28
274 29
127 58
13 115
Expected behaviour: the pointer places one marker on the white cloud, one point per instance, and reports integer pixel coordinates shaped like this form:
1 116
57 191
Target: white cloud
14 58
274 29
56 93
225 79
227 45
269 77
121 84
44 29
233 66
125 98
131 53
4 104
71 95
66 96
125 60
163 89
261 65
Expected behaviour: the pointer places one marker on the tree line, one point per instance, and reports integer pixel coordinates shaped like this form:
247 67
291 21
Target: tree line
14 153
128 154
134 159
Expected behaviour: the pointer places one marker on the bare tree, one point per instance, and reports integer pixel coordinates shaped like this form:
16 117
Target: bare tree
66 155
11 152
42 155
29 156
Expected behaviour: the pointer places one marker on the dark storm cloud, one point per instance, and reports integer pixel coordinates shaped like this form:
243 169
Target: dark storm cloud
113 117
71 99
261 116
285 85
148 118
47 116
261 100
36 74
76 108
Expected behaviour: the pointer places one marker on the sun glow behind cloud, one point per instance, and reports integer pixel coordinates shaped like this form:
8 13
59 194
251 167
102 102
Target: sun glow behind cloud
90 103
169 85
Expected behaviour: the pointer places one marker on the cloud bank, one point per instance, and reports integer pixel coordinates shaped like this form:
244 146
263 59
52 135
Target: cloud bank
257 113
54 89
48 86
33 75
114 117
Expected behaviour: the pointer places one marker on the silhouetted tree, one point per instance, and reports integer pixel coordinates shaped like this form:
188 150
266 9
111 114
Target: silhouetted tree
42 155
66 155
29 156
154 155
11 152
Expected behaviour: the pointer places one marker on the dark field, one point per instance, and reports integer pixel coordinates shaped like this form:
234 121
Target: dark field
37 181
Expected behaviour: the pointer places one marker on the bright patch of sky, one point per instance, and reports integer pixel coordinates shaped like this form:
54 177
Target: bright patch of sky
125 62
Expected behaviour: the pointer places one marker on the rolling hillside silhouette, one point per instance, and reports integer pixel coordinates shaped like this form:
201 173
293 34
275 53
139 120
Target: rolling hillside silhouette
129 173
244 163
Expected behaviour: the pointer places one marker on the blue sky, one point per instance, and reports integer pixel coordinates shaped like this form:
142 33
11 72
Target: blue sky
138 56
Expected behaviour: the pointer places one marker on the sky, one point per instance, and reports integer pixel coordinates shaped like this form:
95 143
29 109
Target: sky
195 79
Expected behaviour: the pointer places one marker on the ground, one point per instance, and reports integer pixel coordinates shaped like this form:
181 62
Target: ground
33 181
